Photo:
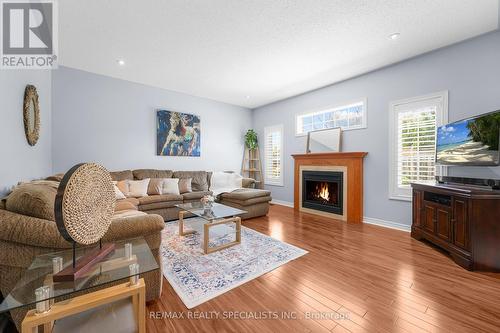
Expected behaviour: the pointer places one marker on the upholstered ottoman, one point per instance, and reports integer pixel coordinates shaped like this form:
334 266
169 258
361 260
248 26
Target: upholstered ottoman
254 201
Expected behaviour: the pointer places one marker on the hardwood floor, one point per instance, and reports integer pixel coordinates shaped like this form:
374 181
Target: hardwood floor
357 278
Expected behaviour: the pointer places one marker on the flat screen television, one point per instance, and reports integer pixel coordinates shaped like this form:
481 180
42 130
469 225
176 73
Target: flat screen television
470 142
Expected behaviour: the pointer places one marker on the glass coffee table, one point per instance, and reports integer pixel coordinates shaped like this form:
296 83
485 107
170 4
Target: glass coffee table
37 288
215 217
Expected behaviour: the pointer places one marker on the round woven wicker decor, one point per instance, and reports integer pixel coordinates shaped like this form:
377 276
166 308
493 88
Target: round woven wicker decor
85 203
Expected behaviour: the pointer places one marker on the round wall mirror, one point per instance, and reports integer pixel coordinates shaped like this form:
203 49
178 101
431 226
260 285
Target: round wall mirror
31 114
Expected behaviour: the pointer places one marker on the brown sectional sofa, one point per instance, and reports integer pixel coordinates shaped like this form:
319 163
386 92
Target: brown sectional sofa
28 228
254 201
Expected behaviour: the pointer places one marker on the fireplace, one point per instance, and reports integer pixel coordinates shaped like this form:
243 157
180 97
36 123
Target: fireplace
350 164
323 190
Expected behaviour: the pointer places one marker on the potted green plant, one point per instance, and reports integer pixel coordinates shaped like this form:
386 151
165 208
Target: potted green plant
251 140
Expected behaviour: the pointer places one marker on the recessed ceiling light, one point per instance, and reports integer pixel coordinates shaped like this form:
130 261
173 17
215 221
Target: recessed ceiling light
120 62
394 36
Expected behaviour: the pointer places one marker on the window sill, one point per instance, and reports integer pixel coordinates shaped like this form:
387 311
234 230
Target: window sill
274 184
298 135
407 198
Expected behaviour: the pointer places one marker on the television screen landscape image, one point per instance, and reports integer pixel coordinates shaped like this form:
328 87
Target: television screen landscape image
472 142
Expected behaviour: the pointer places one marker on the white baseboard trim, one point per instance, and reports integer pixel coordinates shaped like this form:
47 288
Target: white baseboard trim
387 224
366 219
282 203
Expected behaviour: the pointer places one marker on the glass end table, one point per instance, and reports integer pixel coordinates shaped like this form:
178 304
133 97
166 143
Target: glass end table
36 287
213 217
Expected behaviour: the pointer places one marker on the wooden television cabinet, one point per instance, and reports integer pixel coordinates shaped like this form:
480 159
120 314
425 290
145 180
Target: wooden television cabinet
462 220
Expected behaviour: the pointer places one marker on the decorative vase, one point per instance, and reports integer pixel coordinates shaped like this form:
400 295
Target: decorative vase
207 202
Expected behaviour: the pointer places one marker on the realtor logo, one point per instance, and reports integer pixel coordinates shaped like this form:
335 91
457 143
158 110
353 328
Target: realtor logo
29 34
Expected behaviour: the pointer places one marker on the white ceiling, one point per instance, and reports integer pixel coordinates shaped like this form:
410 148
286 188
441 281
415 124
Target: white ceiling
268 50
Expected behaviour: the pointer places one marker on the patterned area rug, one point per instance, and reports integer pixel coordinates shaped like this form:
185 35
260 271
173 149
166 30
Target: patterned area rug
197 277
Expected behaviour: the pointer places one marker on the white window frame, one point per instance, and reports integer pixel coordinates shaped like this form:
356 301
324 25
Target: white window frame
404 193
267 131
334 107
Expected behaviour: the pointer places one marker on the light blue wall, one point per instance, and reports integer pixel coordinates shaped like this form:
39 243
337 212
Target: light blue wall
470 71
113 122
19 161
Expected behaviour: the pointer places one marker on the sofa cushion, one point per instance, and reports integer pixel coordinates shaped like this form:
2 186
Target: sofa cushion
127 214
34 199
247 202
248 183
195 195
133 201
155 186
138 188
151 173
209 178
159 198
159 205
57 177
122 186
245 194
199 179
170 186
118 193
185 185
254 210
134 226
122 175
124 204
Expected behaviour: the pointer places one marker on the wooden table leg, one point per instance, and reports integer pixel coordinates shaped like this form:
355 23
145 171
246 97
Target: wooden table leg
141 310
182 232
78 304
181 223
206 237
238 230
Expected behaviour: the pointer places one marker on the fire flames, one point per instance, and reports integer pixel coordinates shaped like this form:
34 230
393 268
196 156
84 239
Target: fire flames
322 191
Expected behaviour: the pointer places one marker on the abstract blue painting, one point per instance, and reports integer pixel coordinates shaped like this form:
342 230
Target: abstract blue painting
177 134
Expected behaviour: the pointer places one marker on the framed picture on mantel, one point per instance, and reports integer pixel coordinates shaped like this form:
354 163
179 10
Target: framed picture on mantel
177 134
324 141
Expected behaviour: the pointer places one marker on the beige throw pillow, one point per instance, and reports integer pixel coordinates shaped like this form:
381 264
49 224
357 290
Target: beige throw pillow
155 186
123 186
170 186
118 194
138 188
185 185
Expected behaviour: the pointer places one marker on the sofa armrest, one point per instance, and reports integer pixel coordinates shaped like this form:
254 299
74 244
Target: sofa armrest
33 231
248 183
134 226
29 230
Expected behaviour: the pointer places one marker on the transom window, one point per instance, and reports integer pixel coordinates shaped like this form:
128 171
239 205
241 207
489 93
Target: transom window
350 116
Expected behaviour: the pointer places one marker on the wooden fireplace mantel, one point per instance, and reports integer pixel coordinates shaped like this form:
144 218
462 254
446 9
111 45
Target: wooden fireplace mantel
345 155
353 162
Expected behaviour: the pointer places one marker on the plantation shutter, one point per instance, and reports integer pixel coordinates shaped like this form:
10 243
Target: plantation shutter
416 146
273 155
412 144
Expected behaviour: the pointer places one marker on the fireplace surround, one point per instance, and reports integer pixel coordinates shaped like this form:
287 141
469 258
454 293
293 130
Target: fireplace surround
348 163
